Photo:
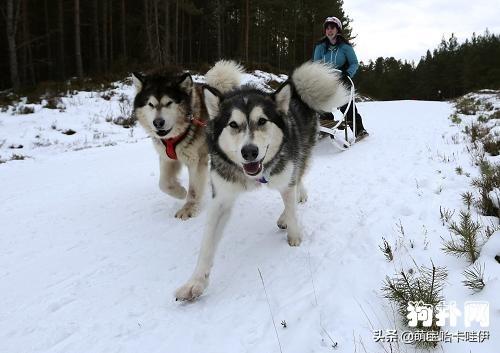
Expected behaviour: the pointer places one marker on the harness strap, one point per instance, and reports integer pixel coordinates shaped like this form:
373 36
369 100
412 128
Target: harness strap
172 142
199 122
352 99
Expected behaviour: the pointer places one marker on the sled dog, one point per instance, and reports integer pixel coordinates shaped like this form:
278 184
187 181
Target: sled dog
259 138
170 107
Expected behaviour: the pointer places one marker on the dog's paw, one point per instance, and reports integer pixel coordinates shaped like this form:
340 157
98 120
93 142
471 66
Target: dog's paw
294 238
187 211
191 290
174 190
281 222
302 195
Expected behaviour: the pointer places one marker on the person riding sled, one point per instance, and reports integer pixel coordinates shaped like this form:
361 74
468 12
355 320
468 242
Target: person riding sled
335 50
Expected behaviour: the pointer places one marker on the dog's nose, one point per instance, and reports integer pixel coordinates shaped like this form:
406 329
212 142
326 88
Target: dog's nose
158 123
249 152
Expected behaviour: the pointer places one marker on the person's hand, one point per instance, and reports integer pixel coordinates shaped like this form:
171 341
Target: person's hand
345 78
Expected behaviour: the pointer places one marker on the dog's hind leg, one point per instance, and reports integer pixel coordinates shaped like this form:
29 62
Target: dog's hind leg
197 183
288 219
169 184
217 217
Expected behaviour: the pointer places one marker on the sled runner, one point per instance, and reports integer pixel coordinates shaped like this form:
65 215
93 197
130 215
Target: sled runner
330 129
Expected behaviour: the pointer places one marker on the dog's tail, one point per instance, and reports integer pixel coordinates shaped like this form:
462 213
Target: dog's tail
225 75
320 86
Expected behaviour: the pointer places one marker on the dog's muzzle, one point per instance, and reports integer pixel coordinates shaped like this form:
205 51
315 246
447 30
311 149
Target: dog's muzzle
250 153
252 168
163 133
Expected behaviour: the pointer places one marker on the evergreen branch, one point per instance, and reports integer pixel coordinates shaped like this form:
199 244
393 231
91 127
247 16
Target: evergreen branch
466 242
474 278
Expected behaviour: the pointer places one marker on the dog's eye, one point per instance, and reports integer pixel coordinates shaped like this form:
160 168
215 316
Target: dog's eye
233 125
151 105
261 121
168 104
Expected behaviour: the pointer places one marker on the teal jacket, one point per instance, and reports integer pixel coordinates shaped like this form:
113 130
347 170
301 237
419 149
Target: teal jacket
341 56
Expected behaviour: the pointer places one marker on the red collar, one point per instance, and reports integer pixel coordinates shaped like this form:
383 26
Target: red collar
172 142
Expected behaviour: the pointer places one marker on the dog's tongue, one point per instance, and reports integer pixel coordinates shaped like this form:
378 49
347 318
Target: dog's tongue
252 168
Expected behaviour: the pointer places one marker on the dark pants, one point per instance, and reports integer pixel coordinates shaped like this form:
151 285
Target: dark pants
348 115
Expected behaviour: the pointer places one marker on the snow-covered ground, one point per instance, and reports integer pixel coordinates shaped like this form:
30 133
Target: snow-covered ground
90 251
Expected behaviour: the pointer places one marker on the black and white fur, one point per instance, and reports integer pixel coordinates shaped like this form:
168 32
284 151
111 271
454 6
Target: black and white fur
164 105
257 137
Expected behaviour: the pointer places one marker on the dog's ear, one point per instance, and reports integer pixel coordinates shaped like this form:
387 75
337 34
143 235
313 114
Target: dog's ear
212 101
283 96
138 80
186 83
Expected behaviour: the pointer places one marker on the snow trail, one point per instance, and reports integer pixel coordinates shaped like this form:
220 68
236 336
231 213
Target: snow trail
90 251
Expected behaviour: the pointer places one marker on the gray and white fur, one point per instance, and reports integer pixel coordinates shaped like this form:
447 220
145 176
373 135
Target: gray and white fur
259 138
168 104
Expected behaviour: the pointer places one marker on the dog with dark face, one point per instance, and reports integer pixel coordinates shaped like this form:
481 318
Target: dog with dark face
257 138
170 107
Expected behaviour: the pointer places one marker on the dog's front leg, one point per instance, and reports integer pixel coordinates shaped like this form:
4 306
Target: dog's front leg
169 184
217 217
197 183
301 193
288 219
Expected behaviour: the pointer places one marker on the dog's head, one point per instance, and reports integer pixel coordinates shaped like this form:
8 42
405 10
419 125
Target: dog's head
248 125
162 102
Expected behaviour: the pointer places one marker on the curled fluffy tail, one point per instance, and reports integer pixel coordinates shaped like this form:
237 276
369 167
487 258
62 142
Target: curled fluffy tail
225 75
319 86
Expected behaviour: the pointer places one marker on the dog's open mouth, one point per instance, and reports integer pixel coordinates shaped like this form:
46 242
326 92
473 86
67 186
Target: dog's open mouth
163 133
252 168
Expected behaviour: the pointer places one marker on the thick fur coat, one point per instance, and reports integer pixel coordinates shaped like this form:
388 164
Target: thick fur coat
171 108
258 138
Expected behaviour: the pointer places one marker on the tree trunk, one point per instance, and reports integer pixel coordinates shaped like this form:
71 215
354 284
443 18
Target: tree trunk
50 63
104 26
218 16
200 43
28 66
12 19
167 32
60 20
148 30
304 34
296 15
78 51
158 54
124 33
190 31
95 31
181 35
259 38
111 46
247 29
176 33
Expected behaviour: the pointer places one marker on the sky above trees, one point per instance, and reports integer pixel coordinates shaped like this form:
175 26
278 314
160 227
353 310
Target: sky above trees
405 29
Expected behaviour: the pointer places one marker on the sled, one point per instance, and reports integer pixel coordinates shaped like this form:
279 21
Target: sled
333 130
329 129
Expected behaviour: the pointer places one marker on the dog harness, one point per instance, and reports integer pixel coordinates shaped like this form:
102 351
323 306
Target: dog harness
172 142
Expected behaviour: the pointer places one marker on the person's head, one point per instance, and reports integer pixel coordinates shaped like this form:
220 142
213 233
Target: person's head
332 27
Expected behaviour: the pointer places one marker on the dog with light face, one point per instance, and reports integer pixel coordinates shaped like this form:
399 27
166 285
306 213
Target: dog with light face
170 107
258 138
